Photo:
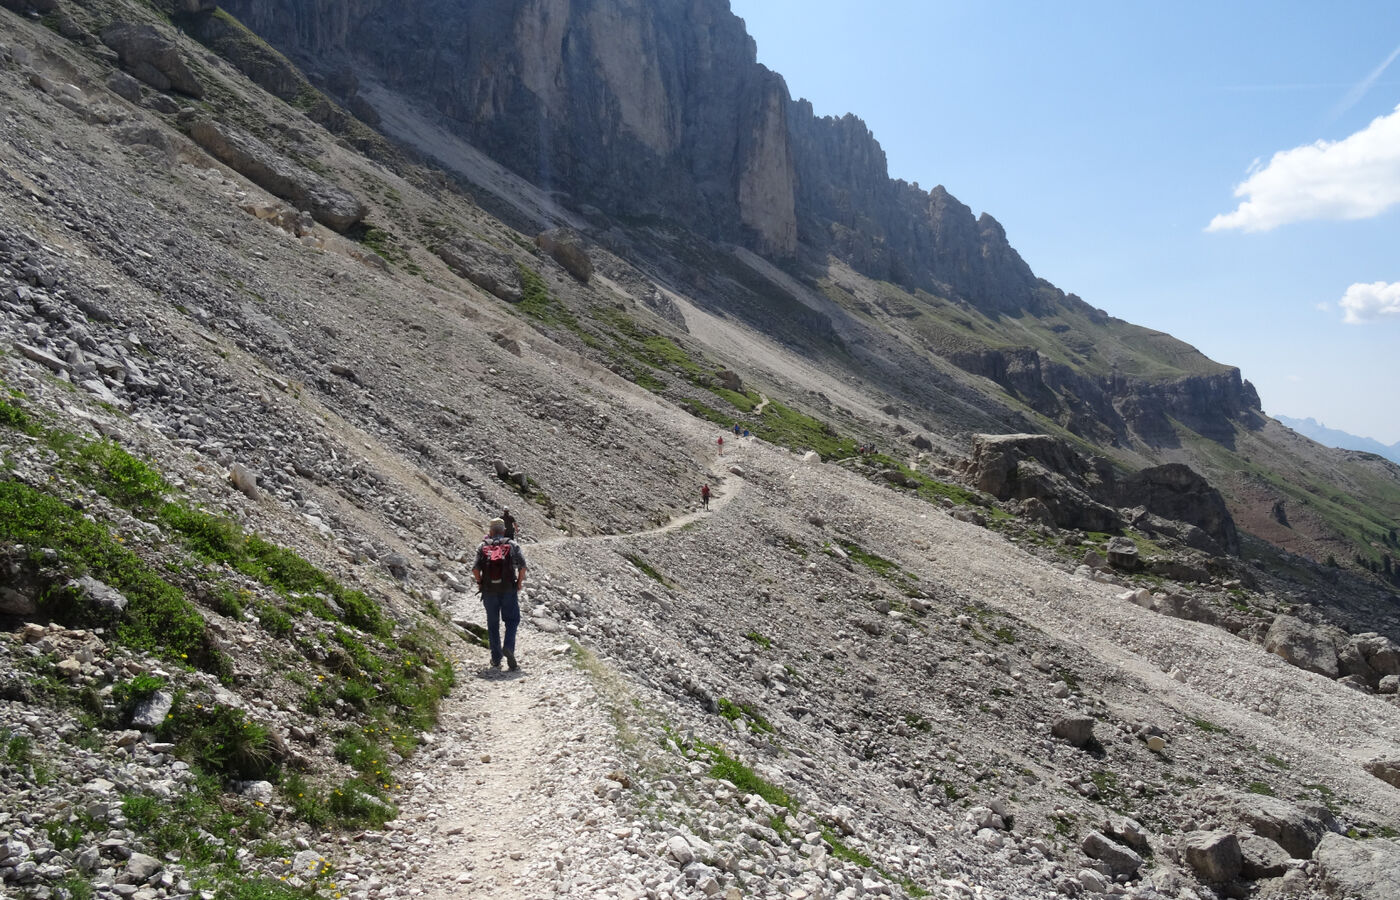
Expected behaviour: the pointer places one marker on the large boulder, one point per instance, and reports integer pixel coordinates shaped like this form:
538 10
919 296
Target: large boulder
1296 829
1077 730
489 269
1387 770
151 57
1261 858
1026 466
1369 656
1176 491
1119 859
1360 870
330 205
1213 855
567 250
1123 554
1310 647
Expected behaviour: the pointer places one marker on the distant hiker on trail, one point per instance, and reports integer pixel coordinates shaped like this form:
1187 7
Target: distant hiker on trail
499 572
736 429
721 445
510 523
705 495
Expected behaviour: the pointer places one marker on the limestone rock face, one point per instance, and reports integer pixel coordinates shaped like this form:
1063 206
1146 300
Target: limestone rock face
1175 491
567 251
1213 855
151 57
332 206
1085 493
1364 870
487 268
637 108
1311 647
1295 829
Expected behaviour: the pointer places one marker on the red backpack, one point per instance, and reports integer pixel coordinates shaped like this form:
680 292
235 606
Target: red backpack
498 573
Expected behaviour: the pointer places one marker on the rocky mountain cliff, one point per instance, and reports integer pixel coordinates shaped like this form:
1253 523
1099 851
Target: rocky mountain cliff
658 110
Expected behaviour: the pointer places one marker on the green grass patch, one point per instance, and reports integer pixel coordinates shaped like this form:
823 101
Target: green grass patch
759 639
1261 787
1208 726
787 427
158 619
746 711
727 768
538 303
221 740
648 569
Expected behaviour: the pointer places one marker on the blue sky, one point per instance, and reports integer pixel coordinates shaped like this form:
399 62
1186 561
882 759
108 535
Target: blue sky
1110 139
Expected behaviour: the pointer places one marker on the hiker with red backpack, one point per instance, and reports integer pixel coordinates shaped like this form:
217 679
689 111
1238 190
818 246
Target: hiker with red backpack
499 572
705 495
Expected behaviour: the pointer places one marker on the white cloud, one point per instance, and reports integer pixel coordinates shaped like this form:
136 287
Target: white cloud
1366 302
1355 178
1323 306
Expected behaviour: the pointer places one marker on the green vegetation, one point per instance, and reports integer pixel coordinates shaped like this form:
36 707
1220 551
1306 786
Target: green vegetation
746 711
786 427
1208 726
759 639
391 685
538 303
918 722
221 740
179 825
1261 787
727 768
158 619
648 569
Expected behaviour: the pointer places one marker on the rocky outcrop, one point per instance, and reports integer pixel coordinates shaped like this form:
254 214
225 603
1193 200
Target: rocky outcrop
252 56
151 57
1310 647
39 6
487 268
1177 492
640 109
1037 466
1086 493
1364 870
1118 408
1296 829
330 205
567 250
660 110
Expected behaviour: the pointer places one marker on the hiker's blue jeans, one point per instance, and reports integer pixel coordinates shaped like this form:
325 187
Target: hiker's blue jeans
503 606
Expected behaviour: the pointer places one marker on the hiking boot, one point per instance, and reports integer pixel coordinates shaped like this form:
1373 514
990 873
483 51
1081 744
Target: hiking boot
510 661
495 662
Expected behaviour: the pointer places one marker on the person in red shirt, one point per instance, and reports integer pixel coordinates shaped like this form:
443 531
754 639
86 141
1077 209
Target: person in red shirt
705 495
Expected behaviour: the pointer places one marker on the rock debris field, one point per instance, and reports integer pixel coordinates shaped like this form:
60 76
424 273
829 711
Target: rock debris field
823 687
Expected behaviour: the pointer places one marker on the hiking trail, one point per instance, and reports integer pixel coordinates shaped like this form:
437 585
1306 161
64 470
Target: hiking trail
516 752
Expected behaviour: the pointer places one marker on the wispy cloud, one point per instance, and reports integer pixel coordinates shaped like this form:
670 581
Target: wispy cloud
1359 89
1369 302
1355 178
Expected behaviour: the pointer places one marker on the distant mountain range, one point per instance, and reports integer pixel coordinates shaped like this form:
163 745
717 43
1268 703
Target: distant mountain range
1331 437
